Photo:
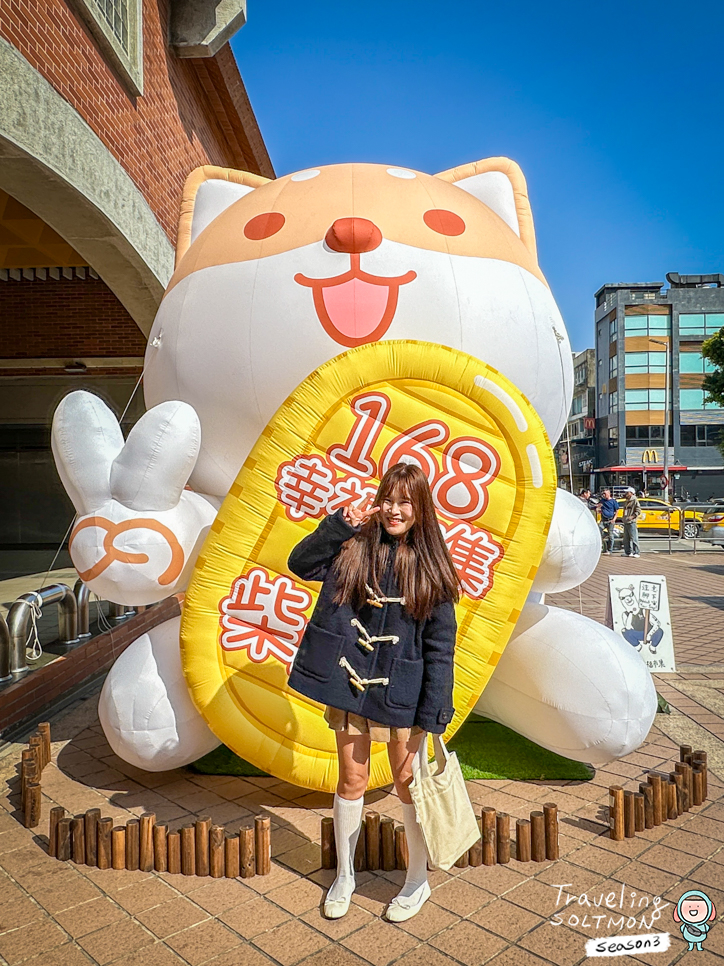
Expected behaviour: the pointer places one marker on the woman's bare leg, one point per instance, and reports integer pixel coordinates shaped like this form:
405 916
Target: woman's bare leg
416 889
401 754
354 770
353 752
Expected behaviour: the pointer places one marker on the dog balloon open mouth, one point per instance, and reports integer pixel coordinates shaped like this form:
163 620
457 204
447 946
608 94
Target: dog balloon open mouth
355 307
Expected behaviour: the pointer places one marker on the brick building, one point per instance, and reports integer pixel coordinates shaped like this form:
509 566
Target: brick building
105 107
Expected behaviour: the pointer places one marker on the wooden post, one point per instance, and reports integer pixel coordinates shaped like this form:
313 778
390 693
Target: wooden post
697 777
329 851
647 791
77 834
372 845
699 758
655 782
246 852
537 837
216 851
522 840
44 732
63 843
550 816
681 768
173 850
402 856
629 822
32 805
684 752
262 843
160 848
639 812
104 853
188 850
463 861
29 774
672 808
55 816
203 829
615 812
231 857
35 744
688 773
502 837
475 855
678 779
132 844
387 838
118 847
145 841
490 855
91 836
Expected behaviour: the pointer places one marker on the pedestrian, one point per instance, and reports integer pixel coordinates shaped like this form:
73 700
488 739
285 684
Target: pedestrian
378 652
631 513
584 496
609 509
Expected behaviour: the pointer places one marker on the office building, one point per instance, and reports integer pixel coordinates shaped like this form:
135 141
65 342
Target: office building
576 450
635 324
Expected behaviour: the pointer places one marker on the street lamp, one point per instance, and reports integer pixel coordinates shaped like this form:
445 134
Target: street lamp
666 415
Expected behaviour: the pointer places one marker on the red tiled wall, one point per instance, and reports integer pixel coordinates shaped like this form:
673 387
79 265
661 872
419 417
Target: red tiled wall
158 138
65 318
31 694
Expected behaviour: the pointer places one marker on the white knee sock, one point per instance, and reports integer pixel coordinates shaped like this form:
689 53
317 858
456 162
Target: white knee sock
347 814
417 864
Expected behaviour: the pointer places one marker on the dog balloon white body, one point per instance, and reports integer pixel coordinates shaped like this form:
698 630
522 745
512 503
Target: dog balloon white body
269 289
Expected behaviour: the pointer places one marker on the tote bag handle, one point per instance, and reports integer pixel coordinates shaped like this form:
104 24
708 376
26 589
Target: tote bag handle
420 762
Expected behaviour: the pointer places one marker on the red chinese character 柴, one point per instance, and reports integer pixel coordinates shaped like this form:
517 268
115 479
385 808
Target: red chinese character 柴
265 616
474 553
305 485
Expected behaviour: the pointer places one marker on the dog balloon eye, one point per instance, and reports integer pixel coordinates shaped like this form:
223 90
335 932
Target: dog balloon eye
264 226
444 222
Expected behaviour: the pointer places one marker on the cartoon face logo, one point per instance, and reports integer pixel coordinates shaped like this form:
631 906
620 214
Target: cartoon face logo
694 911
628 598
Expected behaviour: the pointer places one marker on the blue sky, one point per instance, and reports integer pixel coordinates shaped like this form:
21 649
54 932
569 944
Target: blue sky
612 110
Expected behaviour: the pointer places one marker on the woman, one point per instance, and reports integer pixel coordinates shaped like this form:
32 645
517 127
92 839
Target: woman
378 652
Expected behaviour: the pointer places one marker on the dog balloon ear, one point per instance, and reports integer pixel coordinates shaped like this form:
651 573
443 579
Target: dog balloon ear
208 191
500 184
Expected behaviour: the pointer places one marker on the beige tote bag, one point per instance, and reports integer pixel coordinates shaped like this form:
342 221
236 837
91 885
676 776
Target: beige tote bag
442 806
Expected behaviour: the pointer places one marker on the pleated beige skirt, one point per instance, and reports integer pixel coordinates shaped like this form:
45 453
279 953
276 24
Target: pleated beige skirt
355 724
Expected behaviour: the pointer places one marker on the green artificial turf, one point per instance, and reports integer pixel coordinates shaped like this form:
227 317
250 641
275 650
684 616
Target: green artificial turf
484 748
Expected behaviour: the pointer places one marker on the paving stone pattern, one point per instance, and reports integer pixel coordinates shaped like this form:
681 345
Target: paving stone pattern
62 914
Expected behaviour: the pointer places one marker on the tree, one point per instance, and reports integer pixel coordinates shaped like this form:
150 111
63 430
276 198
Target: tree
713 385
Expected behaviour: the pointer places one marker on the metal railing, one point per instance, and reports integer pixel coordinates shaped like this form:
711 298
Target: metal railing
73 623
21 614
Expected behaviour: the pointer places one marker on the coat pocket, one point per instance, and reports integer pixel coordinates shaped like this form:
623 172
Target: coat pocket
319 652
403 691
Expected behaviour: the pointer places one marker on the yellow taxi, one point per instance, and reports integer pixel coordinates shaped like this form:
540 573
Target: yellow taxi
655 516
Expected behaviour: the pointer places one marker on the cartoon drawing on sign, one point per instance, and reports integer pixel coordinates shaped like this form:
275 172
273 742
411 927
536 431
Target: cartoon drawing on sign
319 328
640 623
694 911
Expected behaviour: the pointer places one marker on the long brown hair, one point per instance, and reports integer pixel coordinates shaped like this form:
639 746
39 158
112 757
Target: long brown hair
424 571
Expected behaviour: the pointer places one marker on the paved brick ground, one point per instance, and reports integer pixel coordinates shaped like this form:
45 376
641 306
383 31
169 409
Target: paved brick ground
54 914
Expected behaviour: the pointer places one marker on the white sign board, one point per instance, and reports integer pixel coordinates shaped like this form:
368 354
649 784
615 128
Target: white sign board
640 614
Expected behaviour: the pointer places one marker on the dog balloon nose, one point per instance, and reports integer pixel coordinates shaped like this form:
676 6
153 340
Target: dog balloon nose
353 235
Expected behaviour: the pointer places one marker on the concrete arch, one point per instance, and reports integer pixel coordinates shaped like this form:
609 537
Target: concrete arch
52 162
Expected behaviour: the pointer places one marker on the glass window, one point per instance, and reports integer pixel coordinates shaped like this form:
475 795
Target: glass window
637 361
613 327
658 323
613 438
579 374
643 435
714 321
690 362
647 324
700 435
612 367
613 402
691 323
691 399
577 405
645 398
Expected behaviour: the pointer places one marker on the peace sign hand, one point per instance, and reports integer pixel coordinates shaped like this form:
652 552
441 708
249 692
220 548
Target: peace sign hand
356 516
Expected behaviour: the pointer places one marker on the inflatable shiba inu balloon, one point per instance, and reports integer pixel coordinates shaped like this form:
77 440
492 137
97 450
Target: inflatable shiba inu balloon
318 329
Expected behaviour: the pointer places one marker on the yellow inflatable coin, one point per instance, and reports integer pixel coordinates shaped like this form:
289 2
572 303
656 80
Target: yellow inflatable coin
491 471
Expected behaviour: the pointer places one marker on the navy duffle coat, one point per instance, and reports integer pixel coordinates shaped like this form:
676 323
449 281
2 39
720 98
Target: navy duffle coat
410 680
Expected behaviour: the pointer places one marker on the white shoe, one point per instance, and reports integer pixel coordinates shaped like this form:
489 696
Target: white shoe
636 555
336 908
397 912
